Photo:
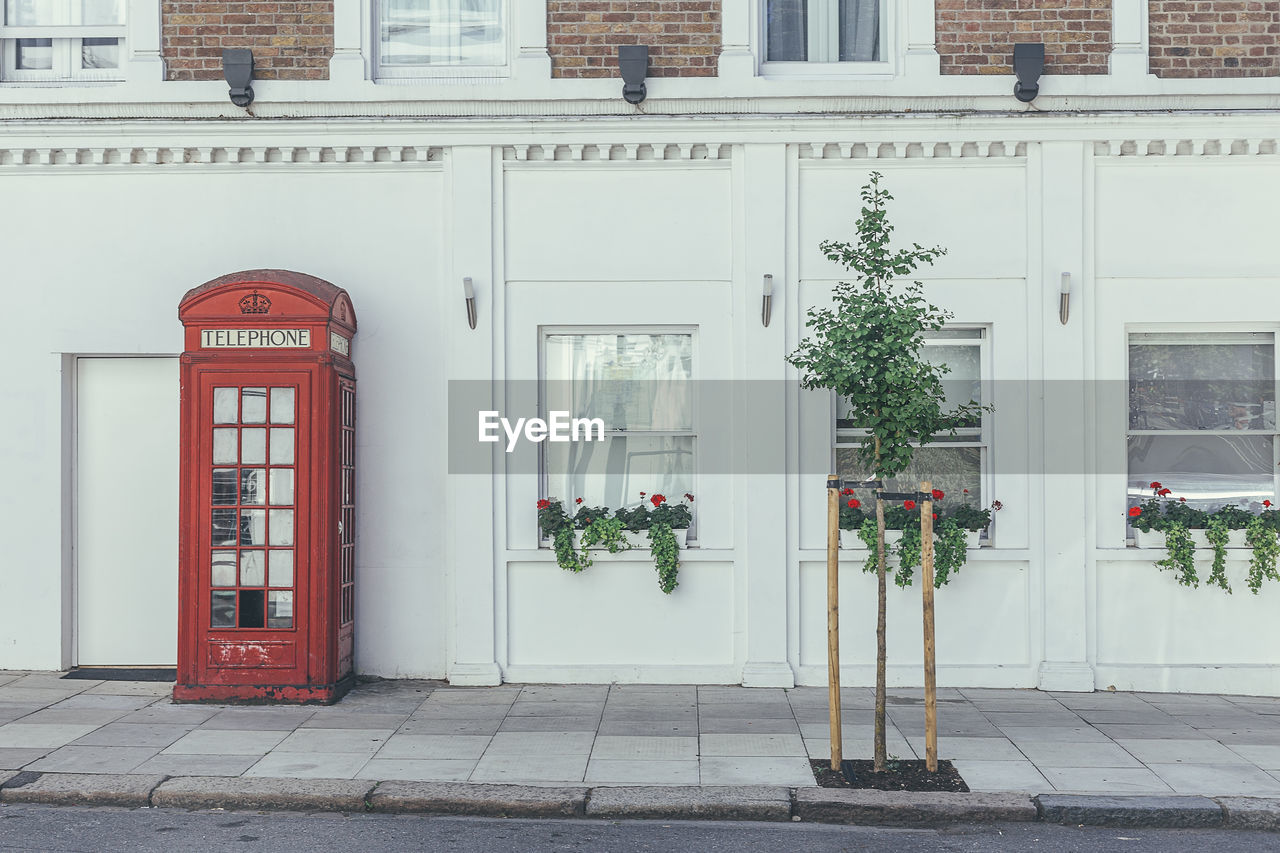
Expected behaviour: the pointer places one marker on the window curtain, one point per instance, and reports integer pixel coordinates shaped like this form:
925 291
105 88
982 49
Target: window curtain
859 30
792 25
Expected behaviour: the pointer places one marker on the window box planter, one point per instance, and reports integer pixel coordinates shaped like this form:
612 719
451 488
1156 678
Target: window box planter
850 541
640 538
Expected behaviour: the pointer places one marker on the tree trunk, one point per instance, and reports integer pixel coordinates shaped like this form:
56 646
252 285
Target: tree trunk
880 755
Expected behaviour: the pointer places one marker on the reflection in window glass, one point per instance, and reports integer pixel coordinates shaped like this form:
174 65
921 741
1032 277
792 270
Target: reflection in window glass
99 53
223 487
223 612
441 32
252 568
253 526
279 609
224 527
253 482
253 406
223 569
614 472
282 405
953 470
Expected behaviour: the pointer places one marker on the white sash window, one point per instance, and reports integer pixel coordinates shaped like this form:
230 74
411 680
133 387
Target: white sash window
61 40
414 35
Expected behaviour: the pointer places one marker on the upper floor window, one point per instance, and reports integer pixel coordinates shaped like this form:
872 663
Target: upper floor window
57 40
414 35
822 30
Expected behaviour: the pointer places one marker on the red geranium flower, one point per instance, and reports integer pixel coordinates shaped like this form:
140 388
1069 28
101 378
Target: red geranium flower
544 503
846 492
908 504
1184 500
854 503
1135 511
642 494
657 500
938 494
1155 485
1163 493
935 516
577 500
689 497
1267 504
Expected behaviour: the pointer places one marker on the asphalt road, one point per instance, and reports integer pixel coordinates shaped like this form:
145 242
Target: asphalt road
48 828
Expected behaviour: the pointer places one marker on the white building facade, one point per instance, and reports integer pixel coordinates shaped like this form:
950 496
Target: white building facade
574 213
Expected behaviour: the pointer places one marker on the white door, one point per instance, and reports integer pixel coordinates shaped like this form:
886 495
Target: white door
127 511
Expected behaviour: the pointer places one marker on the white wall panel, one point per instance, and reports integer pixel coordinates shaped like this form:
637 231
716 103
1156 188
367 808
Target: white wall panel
613 223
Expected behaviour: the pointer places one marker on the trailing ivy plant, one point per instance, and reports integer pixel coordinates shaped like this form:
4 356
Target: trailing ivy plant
666 559
867 348
1261 536
605 532
950 551
1217 534
1181 557
553 521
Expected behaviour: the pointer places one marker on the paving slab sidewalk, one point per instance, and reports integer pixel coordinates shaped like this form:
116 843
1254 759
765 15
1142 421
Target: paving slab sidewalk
609 743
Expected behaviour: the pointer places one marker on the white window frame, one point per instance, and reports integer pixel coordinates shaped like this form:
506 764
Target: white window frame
544 332
881 68
407 74
1191 330
67 46
984 440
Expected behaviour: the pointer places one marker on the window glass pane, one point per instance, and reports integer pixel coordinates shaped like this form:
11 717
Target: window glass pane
634 382
442 32
251 608
951 469
859 30
253 406
1202 382
282 405
224 405
253 486
1208 470
223 487
281 446
281 527
99 53
253 526
253 450
613 472
252 568
223 612
279 609
223 527
224 446
787 25
33 54
101 12
280 567
224 569
281 486
32 13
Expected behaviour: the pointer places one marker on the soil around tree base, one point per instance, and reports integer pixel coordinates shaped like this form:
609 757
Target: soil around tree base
900 776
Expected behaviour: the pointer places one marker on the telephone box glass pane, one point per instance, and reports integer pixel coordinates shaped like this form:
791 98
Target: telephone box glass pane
281 447
224 405
253 447
280 567
224 446
252 568
282 405
279 609
253 526
251 608
223 614
224 569
253 406
253 486
224 527
281 486
223 487
281 527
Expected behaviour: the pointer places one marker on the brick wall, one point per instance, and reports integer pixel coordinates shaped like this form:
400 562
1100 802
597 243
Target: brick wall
977 36
290 40
1214 39
683 36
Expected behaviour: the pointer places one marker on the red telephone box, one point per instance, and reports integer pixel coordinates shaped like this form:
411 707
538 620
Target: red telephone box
266 582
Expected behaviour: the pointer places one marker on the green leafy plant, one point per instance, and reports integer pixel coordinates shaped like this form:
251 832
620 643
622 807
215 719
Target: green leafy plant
1217 534
1261 536
666 556
1181 555
676 516
851 514
949 552
554 522
867 349
606 533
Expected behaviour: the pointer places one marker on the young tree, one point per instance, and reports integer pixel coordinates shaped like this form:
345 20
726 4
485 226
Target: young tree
867 348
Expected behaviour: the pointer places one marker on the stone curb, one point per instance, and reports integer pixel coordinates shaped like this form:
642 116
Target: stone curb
461 798
685 803
80 789
909 808
213 792
1250 813
1143 811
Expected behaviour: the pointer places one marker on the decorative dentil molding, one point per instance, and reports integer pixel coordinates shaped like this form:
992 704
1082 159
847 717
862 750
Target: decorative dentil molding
220 155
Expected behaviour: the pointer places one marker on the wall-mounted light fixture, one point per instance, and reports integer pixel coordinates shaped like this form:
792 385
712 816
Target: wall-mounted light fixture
469 293
766 300
1028 65
1064 298
237 67
633 63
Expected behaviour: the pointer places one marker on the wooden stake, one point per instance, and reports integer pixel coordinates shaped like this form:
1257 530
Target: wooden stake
930 681
833 615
